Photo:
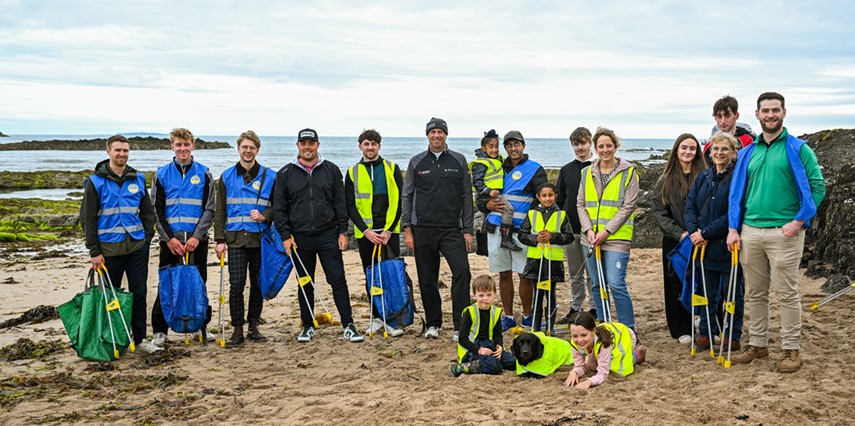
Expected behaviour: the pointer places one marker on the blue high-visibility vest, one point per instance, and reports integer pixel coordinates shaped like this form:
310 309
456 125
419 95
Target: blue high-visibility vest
514 184
184 195
120 207
242 198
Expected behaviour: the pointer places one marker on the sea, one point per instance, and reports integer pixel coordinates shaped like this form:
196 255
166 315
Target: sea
276 151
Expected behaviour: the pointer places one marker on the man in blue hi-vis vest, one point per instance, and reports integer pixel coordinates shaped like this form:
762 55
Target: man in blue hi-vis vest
182 192
118 223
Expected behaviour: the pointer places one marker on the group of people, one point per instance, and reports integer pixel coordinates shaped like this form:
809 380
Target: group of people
532 227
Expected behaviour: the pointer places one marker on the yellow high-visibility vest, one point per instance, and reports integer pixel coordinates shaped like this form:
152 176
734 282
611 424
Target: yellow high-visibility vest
603 209
495 314
363 191
622 361
494 177
535 217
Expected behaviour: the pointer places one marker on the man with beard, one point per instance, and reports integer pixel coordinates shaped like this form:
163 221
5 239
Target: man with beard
776 188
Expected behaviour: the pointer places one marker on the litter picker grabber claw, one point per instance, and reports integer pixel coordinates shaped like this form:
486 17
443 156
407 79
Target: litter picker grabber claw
303 281
221 322
604 288
113 305
816 305
729 309
376 271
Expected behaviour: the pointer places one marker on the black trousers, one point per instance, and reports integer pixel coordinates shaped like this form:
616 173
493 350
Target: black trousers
198 257
323 247
678 318
429 243
135 266
543 303
241 260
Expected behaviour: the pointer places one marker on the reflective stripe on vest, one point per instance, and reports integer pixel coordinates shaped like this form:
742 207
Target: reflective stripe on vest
604 208
513 186
535 217
556 352
622 362
119 212
242 198
494 176
183 195
474 312
363 191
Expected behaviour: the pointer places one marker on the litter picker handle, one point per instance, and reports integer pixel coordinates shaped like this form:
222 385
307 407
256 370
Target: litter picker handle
222 259
703 251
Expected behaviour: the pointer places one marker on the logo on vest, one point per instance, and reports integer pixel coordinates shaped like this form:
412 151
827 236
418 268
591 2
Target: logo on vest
133 188
195 180
516 175
256 185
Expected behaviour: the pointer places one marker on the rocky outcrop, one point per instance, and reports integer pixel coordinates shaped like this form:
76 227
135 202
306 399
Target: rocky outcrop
147 143
3 136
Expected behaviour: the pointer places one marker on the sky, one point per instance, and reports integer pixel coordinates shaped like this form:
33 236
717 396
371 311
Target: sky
650 69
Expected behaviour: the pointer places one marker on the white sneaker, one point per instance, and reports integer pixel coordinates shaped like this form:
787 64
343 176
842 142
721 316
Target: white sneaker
210 335
159 339
685 339
432 333
147 347
456 336
394 332
375 326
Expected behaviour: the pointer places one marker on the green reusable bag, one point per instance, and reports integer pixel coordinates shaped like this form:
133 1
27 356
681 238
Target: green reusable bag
97 320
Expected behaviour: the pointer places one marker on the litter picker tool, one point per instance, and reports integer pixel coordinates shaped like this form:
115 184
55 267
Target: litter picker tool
604 288
221 324
303 281
113 305
729 309
700 300
543 286
827 299
377 272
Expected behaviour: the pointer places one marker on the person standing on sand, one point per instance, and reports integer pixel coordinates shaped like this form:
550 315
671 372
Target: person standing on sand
776 187
522 178
118 223
685 164
372 190
244 195
309 212
436 214
182 192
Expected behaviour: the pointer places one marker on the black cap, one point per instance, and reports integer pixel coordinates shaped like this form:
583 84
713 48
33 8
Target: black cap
513 135
436 123
307 134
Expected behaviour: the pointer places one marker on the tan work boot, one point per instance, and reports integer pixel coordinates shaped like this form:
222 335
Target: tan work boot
790 361
750 354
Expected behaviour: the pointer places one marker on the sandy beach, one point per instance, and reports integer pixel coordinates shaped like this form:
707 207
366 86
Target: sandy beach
404 380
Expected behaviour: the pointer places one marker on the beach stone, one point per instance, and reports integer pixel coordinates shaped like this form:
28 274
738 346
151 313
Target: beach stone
835 283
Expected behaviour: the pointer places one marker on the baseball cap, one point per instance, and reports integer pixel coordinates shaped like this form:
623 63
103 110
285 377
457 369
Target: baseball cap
307 134
513 135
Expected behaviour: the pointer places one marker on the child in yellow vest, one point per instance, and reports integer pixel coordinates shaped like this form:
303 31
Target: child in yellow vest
608 347
488 178
480 349
545 230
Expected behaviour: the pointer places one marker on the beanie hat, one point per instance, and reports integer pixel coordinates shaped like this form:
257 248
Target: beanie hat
436 123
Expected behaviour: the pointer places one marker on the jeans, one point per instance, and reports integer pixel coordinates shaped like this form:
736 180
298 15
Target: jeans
135 266
491 364
614 272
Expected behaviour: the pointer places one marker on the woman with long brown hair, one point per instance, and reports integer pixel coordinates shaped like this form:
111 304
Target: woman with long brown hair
684 164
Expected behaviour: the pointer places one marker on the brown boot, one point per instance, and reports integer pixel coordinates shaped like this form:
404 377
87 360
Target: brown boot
790 361
237 338
750 354
253 333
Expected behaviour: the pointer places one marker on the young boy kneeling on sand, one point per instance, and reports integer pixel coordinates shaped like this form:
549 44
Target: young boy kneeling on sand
607 347
480 348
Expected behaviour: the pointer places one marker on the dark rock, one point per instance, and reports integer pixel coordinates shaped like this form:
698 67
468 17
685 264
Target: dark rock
3 136
137 143
835 283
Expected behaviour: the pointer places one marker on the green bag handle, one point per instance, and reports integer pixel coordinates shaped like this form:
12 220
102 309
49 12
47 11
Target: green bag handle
90 281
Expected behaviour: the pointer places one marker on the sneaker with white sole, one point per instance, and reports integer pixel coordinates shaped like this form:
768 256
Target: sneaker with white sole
432 333
685 339
306 334
394 332
147 347
456 336
210 336
159 339
352 334
375 327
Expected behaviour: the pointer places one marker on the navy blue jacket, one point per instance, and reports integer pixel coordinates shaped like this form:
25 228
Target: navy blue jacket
706 209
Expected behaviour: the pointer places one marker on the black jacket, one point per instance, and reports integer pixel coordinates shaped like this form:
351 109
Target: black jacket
706 209
437 192
569 180
89 214
558 239
309 202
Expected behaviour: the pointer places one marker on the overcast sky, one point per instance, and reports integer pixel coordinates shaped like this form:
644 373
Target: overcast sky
643 68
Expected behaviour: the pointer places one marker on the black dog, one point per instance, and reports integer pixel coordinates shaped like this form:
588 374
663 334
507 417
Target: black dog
527 347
